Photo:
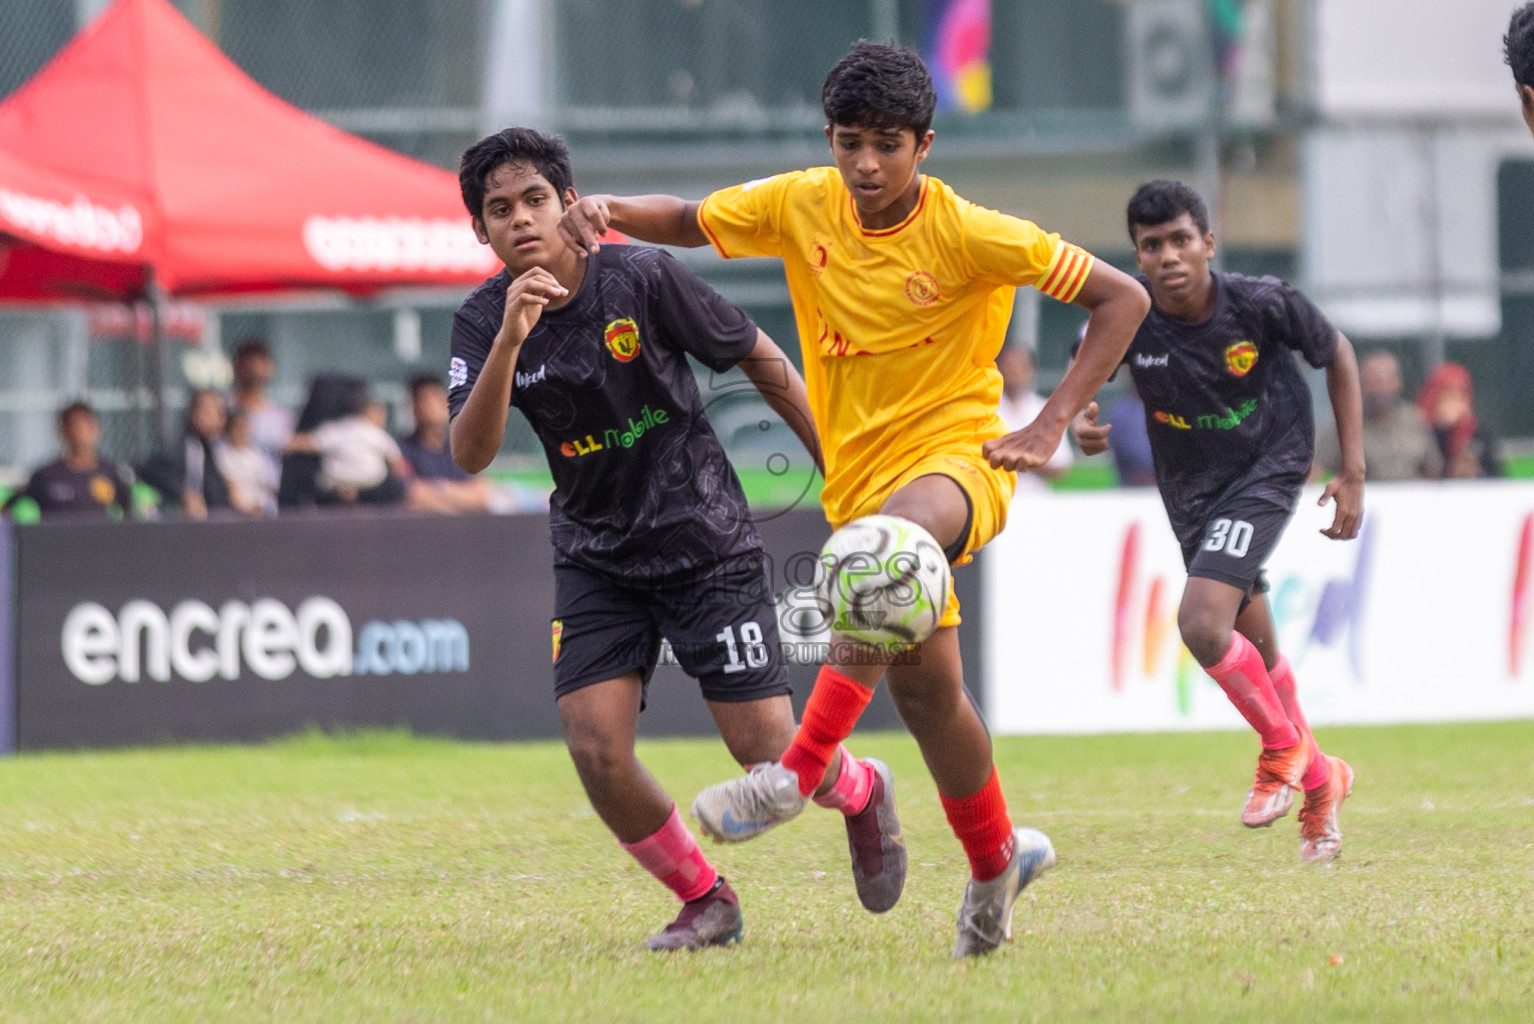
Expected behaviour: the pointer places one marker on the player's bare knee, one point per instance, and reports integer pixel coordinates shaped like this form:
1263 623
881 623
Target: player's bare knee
933 502
598 755
1204 631
931 520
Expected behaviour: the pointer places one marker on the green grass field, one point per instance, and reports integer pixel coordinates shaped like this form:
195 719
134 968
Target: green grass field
387 878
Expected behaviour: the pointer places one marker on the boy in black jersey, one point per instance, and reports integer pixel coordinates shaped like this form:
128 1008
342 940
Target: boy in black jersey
79 484
651 531
1232 437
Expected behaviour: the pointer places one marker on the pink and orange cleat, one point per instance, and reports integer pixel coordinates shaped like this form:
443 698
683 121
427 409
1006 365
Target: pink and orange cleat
1278 777
1320 834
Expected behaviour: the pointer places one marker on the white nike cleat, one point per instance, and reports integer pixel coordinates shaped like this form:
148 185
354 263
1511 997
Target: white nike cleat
985 916
743 808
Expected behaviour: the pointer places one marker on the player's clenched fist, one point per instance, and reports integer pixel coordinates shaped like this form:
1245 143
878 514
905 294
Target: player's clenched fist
525 299
1022 450
584 223
1348 493
1091 436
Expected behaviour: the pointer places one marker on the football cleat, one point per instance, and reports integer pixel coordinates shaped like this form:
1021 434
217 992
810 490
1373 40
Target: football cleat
878 850
710 920
743 808
1320 834
985 916
1278 777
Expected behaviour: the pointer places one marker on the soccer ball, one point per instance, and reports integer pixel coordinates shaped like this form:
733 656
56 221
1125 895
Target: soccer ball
886 581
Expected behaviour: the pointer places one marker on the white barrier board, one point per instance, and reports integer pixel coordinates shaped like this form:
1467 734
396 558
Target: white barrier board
1427 617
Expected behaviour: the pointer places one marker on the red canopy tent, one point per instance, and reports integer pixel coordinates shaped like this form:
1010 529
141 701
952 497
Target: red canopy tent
70 235
141 144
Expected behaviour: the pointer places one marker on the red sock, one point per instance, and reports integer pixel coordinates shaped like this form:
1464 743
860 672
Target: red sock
673 856
982 825
853 786
833 710
1244 678
1320 772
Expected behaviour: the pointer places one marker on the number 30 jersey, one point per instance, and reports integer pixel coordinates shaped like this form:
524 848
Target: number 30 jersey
1224 398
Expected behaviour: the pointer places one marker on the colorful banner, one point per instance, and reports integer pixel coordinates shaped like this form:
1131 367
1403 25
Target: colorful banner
958 52
1427 617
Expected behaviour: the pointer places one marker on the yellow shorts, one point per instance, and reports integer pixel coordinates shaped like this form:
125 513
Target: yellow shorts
989 490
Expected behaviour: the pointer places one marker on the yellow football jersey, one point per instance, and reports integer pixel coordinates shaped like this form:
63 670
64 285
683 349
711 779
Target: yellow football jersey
900 328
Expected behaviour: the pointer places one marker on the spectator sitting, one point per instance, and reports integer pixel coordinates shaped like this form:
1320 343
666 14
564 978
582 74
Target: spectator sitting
186 471
270 424
1397 442
358 461
1447 401
249 471
1019 406
1129 440
430 456
81 484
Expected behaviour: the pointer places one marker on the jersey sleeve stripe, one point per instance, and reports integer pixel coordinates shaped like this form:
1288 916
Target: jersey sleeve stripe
1062 256
1070 276
703 223
1071 288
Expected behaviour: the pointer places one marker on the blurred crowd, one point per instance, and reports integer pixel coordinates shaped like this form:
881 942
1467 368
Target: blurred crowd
1437 437
243 455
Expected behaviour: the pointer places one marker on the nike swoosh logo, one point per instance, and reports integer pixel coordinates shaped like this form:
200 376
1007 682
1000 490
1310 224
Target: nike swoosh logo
730 827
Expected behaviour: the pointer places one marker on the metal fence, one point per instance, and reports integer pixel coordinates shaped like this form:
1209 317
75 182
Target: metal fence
1112 90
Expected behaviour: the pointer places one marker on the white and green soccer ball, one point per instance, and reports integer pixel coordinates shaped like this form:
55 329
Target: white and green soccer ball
886 581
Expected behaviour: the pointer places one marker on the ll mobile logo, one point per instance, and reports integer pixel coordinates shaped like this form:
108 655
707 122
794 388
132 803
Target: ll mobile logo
195 642
617 437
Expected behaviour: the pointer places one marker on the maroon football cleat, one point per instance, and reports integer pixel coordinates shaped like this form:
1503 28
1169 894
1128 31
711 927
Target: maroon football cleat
712 919
878 850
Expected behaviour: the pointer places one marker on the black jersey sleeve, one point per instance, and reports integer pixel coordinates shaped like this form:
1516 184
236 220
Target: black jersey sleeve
470 348
1303 326
697 319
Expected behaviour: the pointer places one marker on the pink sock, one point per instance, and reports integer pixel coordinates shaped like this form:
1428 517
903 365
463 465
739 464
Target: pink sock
853 786
1244 678
672 855
1320 771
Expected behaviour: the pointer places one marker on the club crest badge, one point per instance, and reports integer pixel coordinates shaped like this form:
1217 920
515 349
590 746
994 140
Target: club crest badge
1240 358
820 255
557 631
921 288
622 337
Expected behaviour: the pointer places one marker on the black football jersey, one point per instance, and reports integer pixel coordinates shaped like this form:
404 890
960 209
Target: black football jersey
642 486
1225 395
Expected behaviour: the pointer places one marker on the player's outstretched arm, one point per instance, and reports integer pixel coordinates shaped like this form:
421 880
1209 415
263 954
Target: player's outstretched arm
665 220
783 389
1117 303
1347 487
477 430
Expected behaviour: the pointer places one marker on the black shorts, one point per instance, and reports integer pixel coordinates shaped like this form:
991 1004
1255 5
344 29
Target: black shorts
1232 540
720 620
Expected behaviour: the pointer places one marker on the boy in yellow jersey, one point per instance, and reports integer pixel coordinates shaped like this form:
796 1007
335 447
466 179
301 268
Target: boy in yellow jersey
902 292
